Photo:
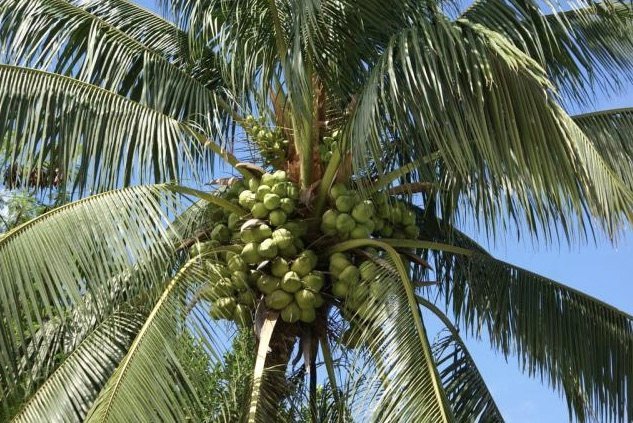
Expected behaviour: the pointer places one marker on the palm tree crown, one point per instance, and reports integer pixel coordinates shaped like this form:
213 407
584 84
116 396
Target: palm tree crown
359 135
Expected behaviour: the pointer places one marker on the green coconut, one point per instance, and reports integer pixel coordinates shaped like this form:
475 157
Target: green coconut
280 176
313 281
225 307
277 217
240 280
242 315
377 289
368 270
350 274
216 269
250 253
345 203
338 190
268 284
378 224
272 201
302 264
291 313
234 221
247 198
412 231
278 299
268 180
279 267
262 232
338 263
247 298
305 298
259 211
396 215
345 223
370 225
283 238
291 282
280 189
262 191
267 249
408 218
360 232
308 315
318 300
340 289
383 211
293 191
287 205
387 231
380 198
363 211
221 233
203 248
329 218
288 252
253 184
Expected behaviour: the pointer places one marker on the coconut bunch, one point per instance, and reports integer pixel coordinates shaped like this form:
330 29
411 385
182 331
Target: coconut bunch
232 294
271 143
354 218
328 146
272 263
356 285
264 260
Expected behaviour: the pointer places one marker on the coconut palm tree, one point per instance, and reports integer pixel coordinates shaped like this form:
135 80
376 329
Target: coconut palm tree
357 137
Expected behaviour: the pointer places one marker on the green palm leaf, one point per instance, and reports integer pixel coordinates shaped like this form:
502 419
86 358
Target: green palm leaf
583 47
508 151
464 385
69 392
97 139
396 358
144 26
547 325
610 131
150 384
83 250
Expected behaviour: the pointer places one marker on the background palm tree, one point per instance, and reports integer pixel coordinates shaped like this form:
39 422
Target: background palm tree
458 112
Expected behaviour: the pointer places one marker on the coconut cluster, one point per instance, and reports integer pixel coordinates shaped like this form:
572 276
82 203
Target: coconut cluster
328 146
272 263
354 218
263 257
271 142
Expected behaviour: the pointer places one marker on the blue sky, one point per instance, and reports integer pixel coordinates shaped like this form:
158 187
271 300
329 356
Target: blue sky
601 270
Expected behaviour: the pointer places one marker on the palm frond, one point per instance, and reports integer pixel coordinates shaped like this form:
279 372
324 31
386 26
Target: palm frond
399 378
142 25
78 253
467 94
578 344
465 388
96 138
150 384
586 47
104 44
609 131
69 392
